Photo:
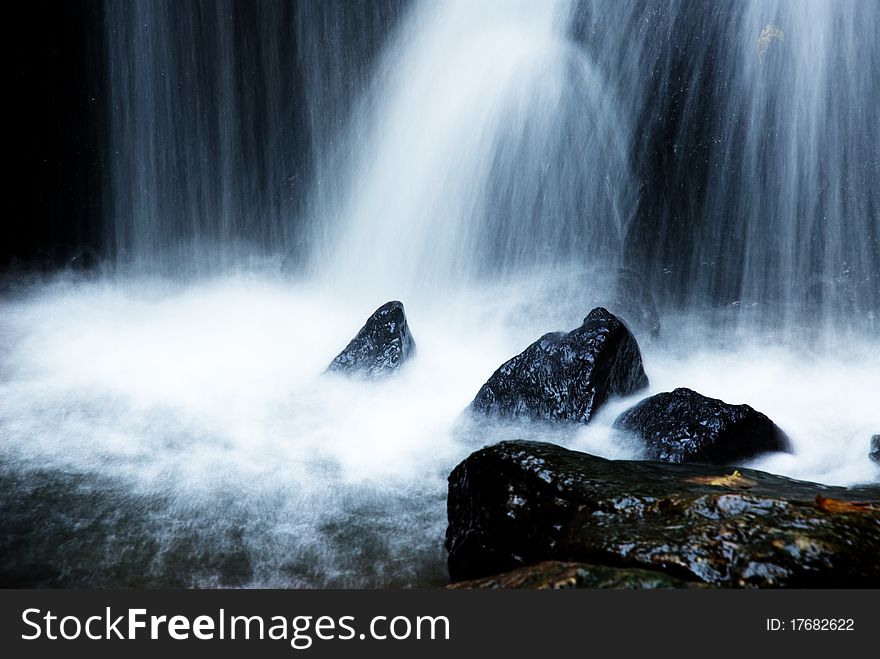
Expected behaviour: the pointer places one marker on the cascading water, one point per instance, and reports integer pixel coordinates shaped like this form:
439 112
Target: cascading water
216 112
488 144
279 170
755 155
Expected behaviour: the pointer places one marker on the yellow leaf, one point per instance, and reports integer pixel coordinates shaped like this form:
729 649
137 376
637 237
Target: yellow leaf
735 480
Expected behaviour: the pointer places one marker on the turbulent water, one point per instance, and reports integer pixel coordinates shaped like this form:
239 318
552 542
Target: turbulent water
279 170
186 435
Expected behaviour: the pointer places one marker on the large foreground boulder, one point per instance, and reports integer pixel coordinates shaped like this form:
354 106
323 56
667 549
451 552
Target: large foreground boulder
380 348
521 503
566 376
684 426
558 575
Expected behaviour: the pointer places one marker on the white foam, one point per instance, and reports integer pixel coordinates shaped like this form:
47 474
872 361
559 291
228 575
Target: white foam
193 391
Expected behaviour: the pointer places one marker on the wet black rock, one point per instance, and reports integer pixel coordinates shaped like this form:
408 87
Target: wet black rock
380 348
685 426
566 376
520 503
559 575
634 304
875 448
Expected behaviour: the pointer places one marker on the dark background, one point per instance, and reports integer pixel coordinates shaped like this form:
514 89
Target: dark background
57 95
53 90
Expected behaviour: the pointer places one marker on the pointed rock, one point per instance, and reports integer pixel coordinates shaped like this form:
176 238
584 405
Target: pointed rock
380 348
566 376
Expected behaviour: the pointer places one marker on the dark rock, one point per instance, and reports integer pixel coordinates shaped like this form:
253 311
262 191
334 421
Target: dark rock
380 348
634 304
566 376
520 503
875 448
684 426
558 575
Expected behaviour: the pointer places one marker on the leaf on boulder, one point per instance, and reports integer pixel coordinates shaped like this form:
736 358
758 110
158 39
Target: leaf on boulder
734 480
830 505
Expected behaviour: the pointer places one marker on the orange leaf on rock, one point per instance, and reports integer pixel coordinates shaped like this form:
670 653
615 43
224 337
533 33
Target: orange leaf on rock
735 480
830 505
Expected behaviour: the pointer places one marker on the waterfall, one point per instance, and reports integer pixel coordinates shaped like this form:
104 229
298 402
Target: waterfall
216 112
756 154
487 144
726 151
274 171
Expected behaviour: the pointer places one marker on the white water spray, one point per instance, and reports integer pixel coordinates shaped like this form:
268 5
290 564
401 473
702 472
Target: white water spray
487 144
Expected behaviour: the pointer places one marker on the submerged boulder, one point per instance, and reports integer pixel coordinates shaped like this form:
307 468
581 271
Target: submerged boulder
558 575
520 503
632 301
566 376
875 448
685 426
380 348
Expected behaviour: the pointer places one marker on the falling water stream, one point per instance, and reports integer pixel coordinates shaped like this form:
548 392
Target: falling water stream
277 172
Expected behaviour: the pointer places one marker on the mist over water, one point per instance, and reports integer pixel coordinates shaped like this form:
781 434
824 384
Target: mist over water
278 172
201 415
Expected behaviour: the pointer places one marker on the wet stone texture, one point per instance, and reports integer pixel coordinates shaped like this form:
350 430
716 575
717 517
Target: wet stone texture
380 348
558 575
566 376
684 426
520 503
